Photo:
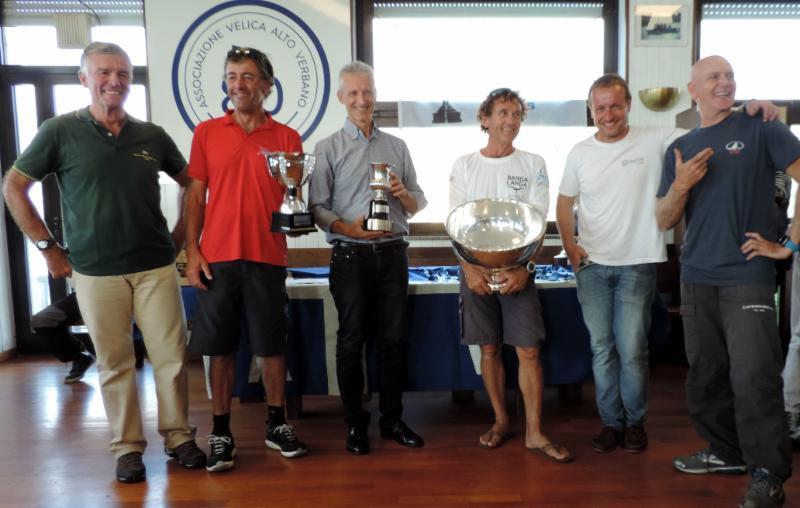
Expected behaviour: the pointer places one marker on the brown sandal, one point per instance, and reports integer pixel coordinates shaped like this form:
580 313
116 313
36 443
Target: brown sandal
493 440
543 451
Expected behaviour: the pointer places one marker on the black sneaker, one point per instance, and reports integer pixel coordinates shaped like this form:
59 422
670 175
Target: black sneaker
635 440
766 490
188 455
222 450
283 438
130 468
704 462
607 440
79 367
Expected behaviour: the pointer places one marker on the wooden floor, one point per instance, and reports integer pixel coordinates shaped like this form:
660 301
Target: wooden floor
53 453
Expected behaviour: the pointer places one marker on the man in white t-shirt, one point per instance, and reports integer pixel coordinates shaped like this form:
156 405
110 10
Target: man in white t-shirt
514 315
614 176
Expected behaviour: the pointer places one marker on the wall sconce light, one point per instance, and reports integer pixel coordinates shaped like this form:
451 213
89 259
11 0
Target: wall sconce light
659 98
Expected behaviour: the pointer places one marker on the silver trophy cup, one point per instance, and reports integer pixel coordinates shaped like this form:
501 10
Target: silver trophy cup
378 218
495 233
292 169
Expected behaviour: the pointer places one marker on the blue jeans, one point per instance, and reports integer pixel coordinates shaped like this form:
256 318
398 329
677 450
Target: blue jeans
616 303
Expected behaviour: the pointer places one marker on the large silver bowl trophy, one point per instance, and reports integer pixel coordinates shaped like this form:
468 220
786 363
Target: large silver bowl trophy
496 234
378 218
292 169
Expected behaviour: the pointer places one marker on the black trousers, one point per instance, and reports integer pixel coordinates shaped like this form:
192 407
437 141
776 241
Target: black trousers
734 386
52 324
369 284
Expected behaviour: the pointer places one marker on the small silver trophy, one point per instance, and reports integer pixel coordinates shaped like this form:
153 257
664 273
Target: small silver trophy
378 218
495 233
293 170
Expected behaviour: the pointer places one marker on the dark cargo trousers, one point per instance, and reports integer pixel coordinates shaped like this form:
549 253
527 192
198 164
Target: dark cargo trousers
734 386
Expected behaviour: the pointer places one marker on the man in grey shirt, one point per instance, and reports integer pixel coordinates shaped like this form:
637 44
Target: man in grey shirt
369 269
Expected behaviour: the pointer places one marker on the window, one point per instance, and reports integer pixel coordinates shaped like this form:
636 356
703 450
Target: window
36 45
756 38
31 28
429 53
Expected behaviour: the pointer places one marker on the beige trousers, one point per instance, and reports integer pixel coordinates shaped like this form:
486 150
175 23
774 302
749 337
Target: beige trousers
108 305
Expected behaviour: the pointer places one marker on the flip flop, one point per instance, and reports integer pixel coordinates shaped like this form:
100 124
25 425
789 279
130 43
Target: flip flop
569 457
495 439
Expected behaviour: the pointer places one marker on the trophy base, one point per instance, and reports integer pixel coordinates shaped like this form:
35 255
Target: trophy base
495 287
378 225
293 224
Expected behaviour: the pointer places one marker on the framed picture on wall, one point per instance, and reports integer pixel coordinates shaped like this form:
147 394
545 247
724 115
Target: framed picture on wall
661 25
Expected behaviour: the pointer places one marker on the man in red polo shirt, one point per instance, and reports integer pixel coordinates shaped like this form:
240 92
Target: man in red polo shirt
240 266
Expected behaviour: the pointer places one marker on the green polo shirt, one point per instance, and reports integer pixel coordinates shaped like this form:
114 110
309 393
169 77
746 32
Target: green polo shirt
110 196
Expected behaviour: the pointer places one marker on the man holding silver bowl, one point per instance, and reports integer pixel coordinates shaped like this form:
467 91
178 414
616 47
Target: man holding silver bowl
239 267
369 265
512 315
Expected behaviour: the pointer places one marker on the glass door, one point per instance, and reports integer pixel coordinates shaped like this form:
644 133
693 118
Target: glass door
26 122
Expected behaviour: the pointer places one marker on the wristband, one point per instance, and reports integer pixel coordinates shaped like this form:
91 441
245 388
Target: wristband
789 244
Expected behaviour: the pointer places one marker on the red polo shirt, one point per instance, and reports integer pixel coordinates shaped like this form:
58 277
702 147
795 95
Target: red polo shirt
241 193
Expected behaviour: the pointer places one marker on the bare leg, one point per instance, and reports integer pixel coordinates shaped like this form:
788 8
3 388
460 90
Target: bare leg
530 384
273 375
221 373
494 379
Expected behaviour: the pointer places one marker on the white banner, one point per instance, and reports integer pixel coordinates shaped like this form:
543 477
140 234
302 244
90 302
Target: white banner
307 41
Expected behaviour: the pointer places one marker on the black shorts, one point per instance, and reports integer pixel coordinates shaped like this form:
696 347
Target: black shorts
514 319
241 294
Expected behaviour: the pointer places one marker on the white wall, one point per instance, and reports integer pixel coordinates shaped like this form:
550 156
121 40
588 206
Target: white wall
657 66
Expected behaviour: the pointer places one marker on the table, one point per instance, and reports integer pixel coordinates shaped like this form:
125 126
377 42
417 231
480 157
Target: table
437 360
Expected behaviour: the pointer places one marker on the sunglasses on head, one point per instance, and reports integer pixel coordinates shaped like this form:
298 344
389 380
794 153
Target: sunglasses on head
500 91
243 51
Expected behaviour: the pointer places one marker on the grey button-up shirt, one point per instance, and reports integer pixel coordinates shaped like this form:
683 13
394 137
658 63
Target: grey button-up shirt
339 186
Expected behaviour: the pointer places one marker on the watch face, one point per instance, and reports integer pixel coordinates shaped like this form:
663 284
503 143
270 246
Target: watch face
43 244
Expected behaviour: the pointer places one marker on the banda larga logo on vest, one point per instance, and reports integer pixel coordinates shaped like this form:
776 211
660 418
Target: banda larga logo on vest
302 74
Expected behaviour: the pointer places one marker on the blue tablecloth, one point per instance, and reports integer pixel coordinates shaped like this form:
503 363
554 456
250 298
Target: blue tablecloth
437 360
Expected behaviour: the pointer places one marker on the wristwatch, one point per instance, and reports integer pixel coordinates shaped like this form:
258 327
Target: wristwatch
531 267
788 243
44 243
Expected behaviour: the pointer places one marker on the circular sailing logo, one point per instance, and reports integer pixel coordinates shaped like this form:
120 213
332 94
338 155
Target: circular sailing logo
302 75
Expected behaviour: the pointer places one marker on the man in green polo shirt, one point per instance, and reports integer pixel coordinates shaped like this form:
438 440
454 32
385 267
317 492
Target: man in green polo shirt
120 255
